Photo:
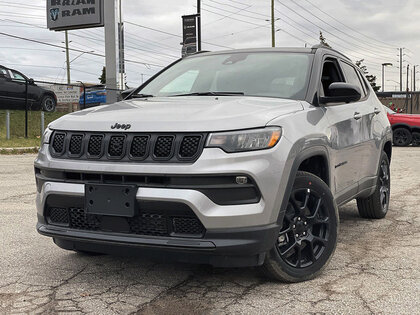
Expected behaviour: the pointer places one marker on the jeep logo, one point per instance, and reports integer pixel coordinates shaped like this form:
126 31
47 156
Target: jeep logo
119 126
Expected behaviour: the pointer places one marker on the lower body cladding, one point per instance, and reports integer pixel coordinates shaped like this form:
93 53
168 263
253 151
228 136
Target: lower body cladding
181 224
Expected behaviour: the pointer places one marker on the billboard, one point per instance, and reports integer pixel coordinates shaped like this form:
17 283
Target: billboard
74 14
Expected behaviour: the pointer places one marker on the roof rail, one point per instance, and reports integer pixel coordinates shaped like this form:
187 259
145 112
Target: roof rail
322 46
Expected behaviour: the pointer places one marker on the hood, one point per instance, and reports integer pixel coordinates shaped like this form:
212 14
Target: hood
192 113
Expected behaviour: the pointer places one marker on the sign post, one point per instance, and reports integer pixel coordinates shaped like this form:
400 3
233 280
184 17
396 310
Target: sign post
111 51
189 34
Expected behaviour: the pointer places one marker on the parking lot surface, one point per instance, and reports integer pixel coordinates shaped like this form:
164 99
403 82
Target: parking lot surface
375 269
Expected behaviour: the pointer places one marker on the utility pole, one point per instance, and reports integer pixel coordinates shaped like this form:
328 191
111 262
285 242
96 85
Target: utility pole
414 78
273 28
67 57
121 51
199 25
408 72
401 68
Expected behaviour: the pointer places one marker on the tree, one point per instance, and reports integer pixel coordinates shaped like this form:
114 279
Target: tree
102 78
371 78
322 40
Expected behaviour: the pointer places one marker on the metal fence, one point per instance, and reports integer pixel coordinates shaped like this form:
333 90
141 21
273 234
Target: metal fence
25 113
407 102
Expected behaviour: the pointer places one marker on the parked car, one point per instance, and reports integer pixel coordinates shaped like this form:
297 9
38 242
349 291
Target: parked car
406 128
13 92
95 95
232 158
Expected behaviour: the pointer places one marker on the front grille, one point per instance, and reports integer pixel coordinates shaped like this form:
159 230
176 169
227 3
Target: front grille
58 142
95 145
75 147
163 146
116 146
147 222
189 146
129 147
58 215
184 225
139 146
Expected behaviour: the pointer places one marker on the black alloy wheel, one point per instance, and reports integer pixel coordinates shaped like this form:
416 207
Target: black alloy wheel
308 235
416 139
401 137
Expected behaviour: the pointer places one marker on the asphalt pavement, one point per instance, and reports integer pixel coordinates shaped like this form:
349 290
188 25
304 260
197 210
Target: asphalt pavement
375 269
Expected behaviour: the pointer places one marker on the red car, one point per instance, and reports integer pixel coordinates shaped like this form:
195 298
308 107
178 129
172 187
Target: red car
405 127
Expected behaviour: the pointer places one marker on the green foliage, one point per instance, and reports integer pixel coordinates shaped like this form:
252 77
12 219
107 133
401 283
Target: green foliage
322 40
102 78
371 78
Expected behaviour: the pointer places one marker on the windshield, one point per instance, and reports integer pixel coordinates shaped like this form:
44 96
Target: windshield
272 74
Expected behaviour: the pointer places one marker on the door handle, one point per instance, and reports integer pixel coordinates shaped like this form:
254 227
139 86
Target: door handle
357 115
377 111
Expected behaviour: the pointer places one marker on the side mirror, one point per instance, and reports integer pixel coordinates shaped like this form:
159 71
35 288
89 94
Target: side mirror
31 81
341 92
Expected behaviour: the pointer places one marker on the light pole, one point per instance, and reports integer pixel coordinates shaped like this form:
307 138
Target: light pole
386 64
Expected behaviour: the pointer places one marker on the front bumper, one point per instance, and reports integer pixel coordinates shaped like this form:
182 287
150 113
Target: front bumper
221 248
235 235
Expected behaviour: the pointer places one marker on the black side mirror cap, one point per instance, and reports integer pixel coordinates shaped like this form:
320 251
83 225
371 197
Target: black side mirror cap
31 81
341 92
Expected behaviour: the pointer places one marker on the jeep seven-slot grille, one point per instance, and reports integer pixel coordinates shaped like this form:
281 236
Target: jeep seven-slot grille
177 147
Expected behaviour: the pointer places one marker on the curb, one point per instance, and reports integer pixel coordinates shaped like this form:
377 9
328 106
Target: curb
21 150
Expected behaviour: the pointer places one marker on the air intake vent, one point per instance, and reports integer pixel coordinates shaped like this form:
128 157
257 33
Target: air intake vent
139 146
116 146
189 146
58 142
163 147
95 145
75 147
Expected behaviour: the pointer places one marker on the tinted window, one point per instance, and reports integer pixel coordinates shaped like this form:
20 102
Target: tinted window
330 74
17 76
283 75
352 76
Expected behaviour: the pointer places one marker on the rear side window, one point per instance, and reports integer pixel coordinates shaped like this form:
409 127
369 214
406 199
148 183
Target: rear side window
352 77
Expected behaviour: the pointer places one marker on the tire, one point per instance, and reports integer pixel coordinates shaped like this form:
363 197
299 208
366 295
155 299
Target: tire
401 137
416 139
48 103
376 205
310 227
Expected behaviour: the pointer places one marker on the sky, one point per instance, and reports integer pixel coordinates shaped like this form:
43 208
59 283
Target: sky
370 30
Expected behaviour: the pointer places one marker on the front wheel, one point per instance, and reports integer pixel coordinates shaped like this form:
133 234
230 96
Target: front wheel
48 103
308 236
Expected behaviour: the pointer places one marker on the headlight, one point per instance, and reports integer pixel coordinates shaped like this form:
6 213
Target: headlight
46 136
245 140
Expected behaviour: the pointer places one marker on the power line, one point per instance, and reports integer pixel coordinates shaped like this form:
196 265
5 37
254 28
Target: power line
171 34
326 31
335 28
351 28
73 49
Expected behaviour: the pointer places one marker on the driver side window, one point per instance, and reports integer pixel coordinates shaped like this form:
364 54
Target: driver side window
330 73
17 76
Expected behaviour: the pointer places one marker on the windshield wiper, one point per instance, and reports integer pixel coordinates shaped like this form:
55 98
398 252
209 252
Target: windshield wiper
141 95
211 94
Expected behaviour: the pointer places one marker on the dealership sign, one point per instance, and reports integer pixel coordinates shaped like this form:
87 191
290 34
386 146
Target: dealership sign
74 14
66 94
189 34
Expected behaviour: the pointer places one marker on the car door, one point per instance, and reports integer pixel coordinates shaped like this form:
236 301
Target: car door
3 88
17 91
366 114
344 134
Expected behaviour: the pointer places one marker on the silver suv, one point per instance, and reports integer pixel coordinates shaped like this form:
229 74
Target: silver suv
233 158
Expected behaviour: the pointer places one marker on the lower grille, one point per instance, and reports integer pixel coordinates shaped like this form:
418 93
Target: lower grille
146 223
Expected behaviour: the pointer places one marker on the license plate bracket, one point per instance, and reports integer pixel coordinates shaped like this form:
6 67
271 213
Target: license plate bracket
111 200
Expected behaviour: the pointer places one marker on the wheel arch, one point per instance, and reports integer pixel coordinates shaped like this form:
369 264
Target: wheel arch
387 148
303 159
401 125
